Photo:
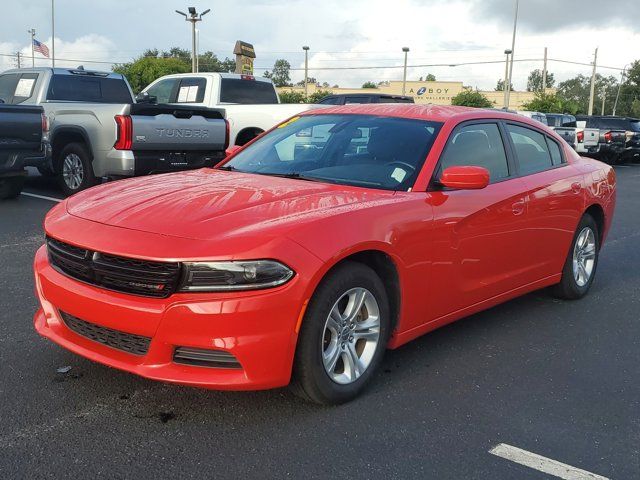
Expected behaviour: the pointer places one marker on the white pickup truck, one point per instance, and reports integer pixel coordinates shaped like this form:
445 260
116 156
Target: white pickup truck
251 104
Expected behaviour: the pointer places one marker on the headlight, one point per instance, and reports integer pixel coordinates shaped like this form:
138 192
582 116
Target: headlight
240 275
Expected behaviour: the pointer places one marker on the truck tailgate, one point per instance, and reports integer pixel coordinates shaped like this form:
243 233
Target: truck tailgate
567 133
20 127
177 128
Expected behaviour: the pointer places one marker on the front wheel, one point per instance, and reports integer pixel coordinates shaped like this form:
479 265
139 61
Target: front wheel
581 263
76 170
343 336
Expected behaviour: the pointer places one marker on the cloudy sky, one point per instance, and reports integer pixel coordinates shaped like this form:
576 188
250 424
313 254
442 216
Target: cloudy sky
354 33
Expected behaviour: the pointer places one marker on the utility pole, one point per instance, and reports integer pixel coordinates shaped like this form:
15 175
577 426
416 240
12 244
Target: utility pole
544 72
193 17
604 92
306 70
513 49
505 84
33 35
404 76
615 104
53 34
593 82
18 59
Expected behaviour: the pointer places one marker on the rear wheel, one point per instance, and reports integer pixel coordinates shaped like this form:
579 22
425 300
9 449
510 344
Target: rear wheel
76 171
581 263
343 336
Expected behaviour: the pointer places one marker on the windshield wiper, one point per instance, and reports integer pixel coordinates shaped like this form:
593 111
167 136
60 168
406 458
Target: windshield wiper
228 168
296 175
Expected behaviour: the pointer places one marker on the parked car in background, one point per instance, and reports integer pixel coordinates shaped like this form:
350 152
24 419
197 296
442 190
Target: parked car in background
564 125
537 116
618 137
349 98
96 129
304 265
251 104
23 142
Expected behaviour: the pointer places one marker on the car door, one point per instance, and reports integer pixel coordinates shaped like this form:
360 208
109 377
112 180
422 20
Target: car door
479 236
554 190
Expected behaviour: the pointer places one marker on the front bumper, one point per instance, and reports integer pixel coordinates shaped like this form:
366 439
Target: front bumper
257 328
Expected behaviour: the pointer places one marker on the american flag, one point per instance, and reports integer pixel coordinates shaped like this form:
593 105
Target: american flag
40 47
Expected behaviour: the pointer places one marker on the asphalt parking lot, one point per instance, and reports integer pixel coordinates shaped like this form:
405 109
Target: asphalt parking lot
559 379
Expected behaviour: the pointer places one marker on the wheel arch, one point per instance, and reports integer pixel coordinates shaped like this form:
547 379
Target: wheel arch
596 212
247 134
63 136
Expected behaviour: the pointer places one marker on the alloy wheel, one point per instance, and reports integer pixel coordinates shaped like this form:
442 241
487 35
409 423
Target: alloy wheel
351 335
584 256
72 171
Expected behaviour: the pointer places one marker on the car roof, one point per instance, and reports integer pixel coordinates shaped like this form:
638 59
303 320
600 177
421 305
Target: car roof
373 94
436 113
65 71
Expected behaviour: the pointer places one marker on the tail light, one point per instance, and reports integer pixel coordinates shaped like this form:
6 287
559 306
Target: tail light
45 123
608 137
124 132
580 137
247 77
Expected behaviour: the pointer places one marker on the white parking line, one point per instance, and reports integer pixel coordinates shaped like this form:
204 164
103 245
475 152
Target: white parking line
51 199
542 464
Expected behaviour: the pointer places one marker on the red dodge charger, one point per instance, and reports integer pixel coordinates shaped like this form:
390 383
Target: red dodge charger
306 253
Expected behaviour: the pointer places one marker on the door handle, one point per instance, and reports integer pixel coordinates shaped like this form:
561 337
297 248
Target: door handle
518 207
576 187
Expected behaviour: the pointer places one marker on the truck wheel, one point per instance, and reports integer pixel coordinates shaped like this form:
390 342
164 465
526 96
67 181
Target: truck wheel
76 171
10 187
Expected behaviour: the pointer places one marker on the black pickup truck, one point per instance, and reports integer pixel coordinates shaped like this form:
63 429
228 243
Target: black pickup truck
348 98
23 143
619 137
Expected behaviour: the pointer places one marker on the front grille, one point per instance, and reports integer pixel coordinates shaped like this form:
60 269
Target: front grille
127 342
128 275
201 357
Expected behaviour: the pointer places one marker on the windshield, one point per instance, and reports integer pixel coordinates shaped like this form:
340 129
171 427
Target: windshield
358 150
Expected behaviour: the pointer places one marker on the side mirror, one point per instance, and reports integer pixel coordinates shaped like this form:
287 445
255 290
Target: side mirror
465 178
232 149
144 97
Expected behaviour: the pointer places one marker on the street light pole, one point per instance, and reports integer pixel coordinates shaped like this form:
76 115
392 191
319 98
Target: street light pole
505 85
544 72
615 104
592 94
513 49
404 76
193 17
53 34
306 69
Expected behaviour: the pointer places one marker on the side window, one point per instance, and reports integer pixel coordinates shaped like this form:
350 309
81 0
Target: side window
350 100
477 145
330 101
554 149
16 88
530 148
164 90
191 90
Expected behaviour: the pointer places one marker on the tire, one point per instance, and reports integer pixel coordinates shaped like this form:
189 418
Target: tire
331 385
10 187
76 171
575 285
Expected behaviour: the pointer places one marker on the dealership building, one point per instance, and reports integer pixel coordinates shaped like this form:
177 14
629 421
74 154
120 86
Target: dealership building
439 93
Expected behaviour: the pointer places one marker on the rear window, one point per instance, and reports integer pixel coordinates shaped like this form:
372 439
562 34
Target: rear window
84 88
635 125
394 100
330 101
245 91
16 88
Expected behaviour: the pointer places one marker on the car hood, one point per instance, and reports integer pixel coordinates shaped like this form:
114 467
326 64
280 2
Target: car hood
207 204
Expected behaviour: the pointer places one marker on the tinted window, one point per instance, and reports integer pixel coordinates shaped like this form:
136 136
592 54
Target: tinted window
531 149
350 100
164 90
234 90
8 84
554 149
85 88
330 101
635 125
477 145
394 100
360 150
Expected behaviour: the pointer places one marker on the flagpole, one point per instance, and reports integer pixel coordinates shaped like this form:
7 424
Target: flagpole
33 34
53 35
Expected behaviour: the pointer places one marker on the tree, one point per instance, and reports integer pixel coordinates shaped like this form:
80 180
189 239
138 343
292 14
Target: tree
291 97
629 101
500 86
144 70
318 95
576 92
534 82
545 103
280 73
471 98
369 85
430 77
310 81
